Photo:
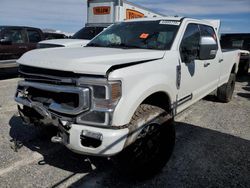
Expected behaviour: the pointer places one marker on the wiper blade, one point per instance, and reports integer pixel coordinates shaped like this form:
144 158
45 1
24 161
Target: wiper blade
123 46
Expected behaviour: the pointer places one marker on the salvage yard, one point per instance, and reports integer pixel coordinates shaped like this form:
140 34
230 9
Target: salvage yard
212 149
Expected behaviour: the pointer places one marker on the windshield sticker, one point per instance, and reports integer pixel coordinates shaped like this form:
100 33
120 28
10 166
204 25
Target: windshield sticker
167 22
144 35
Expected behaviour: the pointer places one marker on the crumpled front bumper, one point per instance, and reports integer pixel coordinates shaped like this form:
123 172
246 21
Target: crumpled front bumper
82 139
112 140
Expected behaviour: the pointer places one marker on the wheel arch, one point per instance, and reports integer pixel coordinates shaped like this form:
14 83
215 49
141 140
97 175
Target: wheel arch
159 98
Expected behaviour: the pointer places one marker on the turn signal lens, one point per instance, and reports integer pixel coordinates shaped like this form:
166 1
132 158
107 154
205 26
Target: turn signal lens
116 91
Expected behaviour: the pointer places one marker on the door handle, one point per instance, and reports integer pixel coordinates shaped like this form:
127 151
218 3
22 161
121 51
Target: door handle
206 64
220 60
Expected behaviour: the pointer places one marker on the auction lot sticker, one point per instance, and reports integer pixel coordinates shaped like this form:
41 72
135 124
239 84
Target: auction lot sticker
167 22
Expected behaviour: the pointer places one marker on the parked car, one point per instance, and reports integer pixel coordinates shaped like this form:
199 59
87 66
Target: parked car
15 41
238 41
118 96
79 39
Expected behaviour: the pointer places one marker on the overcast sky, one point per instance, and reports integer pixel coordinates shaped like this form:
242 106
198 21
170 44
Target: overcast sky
70 15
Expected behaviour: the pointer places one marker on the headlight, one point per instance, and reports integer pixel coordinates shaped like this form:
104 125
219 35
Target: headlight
105 95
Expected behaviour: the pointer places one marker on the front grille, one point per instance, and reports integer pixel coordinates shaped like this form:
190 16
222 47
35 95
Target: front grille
67 100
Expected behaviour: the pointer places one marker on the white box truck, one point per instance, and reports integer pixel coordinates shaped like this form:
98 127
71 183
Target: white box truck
100 15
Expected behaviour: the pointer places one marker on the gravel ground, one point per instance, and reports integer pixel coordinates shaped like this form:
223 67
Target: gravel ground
212 149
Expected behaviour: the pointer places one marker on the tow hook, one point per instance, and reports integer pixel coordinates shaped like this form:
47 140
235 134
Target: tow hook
62 135
57 139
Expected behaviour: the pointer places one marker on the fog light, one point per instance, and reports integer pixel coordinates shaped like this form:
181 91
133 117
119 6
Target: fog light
95 117
91 139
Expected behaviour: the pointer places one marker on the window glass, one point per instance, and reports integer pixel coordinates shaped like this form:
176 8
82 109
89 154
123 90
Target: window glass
156 35
54 36
14 35
190 41
208 31
235 41
34 36
86 33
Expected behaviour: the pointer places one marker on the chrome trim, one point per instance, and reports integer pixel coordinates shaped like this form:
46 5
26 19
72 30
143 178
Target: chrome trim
47 77
8 63
35 105
106 105
207 41
83 93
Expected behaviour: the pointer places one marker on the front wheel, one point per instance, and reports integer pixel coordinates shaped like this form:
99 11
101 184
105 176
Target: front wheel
152 148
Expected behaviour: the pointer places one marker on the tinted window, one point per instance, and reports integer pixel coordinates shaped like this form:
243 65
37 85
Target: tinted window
156 35
15 35
190 41
54 36
34 36
208 31
235 42
87 33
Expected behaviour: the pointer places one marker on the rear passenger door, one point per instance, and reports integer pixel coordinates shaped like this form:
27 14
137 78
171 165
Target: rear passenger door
192 73
34 36
211 66
198 77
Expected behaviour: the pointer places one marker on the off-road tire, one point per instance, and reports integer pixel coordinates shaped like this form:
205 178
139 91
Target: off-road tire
152 148
225 92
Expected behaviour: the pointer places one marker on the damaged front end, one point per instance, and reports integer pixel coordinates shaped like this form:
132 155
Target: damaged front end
81 107
45 103
48 95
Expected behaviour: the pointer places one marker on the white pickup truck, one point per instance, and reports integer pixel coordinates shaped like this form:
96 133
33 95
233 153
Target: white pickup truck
120 93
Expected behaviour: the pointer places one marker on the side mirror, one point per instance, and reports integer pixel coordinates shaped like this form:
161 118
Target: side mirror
208 48
6 41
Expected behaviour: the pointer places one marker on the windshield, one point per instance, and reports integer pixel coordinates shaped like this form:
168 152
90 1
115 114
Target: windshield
87 33
158 35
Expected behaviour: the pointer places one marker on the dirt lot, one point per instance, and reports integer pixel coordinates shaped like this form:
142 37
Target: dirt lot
212 149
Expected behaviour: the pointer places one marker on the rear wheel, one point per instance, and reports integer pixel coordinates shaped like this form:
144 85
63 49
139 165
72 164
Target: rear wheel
153 146
245 68
225 92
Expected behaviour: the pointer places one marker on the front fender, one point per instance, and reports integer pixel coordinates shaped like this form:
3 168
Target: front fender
135 90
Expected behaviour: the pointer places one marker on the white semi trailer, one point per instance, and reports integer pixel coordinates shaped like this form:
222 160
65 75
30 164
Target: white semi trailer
100 15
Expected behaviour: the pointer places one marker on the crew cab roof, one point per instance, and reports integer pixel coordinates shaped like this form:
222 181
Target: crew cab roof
156 19
175 18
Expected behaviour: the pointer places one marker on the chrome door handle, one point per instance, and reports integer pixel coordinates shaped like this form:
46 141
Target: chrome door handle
206 64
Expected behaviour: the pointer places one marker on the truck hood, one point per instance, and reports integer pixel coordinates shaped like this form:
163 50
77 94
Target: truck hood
66 42
87 60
